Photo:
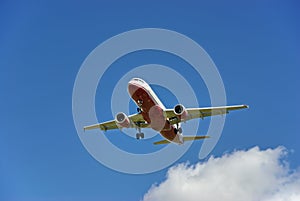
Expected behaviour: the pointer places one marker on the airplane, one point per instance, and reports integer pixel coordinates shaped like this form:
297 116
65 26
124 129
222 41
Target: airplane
151 113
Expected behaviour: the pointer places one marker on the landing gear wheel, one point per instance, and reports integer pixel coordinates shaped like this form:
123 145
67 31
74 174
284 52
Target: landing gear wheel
179 130
140 136
140 102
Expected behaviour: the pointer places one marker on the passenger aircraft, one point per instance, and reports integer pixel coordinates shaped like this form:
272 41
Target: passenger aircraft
153 114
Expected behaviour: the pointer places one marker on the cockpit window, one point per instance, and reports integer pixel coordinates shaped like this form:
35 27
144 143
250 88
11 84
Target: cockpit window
139 80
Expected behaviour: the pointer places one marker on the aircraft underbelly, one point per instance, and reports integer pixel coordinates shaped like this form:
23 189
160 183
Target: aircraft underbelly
153 113
170 135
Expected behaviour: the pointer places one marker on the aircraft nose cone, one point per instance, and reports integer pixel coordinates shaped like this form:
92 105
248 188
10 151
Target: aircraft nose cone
132 88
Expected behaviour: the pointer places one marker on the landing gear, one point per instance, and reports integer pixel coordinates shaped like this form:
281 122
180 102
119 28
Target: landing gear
139 134
178 129
139 110
139 102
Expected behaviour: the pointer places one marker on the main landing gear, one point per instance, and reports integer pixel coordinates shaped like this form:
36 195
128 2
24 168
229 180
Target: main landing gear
178 129
139 134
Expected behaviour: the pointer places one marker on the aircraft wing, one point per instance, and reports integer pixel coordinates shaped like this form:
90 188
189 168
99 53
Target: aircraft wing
202 112
109 125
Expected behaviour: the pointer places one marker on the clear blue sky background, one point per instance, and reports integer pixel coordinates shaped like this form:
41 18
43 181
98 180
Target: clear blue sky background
255 46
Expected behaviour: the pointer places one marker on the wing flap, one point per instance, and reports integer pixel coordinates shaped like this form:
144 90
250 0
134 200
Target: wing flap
109 125
202 112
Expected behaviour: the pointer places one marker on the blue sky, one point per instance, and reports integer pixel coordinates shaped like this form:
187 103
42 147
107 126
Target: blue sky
255 46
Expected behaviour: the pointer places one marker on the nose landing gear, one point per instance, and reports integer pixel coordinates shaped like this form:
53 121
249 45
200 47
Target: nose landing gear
140 102
139 110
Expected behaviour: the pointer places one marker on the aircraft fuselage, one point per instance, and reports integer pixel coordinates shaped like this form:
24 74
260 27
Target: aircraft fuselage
152 110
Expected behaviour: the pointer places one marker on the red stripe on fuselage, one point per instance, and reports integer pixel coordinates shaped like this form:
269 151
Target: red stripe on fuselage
152 112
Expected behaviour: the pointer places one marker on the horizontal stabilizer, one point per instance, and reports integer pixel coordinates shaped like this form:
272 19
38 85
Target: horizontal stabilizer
162 142
185 138
191 138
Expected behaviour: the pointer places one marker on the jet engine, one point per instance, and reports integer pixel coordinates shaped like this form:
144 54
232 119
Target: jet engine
122 120
181 112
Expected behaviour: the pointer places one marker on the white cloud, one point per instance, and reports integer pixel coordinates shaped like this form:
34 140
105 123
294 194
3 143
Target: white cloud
252 175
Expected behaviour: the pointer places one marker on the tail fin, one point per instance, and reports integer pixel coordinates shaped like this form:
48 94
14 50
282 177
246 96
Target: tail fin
185 138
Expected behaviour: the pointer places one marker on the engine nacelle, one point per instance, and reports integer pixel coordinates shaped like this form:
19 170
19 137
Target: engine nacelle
181 112
122 120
